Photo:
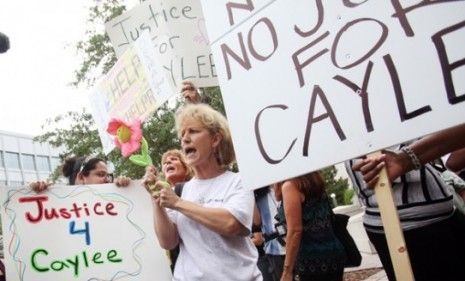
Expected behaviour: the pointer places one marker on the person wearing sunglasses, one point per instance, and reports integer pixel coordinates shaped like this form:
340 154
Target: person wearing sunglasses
84 170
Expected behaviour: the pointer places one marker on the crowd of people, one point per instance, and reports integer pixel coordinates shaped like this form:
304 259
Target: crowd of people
215 228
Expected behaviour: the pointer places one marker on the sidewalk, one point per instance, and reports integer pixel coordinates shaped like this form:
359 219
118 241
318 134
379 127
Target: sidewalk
380 276
370 261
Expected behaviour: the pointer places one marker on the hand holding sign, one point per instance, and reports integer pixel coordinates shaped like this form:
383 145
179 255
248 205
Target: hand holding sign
190 93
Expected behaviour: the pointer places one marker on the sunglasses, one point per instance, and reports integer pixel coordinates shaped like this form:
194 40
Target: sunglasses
83 164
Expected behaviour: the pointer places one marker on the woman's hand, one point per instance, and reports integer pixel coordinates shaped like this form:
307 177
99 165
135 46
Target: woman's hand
258 239
396 163
150 178
287 275
39 186
168 198
153 184
189 92
122 181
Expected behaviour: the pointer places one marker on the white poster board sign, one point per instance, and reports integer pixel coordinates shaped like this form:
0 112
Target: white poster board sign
179 37
134 88
95 232
307 84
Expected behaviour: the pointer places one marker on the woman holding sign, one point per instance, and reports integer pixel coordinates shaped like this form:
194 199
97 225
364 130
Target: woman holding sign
433 229
211 220
84 170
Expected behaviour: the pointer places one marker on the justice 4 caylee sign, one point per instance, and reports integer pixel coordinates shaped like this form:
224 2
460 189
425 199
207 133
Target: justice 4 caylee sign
81 233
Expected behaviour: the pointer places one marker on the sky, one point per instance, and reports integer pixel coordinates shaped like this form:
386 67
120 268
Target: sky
36 72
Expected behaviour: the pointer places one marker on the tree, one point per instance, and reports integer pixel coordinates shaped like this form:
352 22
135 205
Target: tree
97 51
337 185
76 134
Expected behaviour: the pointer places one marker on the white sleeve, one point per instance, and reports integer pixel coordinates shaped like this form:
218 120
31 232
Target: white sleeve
240 203
172 215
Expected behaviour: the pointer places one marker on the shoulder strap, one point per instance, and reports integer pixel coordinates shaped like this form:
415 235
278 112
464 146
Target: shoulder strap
178 188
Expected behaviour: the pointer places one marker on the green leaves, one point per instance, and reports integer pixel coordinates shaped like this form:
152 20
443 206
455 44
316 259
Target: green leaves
143 159
144 148
75 133
96 50
337 185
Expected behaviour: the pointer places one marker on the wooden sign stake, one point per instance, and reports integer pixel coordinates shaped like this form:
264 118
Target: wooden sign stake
392 229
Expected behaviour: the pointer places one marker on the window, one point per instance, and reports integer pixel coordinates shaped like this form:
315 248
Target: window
2 177
55 162
43 163
16 183
30 176
12 160
28 161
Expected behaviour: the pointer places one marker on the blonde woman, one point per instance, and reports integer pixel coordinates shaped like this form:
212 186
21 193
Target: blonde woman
174 167
211 221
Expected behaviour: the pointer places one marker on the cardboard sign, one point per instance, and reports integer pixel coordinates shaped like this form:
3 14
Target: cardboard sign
307 84
95 232
179 37
134 88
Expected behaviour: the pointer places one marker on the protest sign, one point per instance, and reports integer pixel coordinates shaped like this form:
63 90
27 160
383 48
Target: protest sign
307 84
179 37
134 88
95 232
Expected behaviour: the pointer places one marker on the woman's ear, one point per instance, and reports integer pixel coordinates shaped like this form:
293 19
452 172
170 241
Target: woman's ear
79 178
217 138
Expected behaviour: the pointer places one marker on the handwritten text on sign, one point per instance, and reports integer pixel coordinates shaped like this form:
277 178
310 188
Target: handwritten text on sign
326 81
68 233
134 88
179 37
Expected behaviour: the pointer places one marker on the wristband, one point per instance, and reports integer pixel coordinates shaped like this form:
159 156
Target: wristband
412 156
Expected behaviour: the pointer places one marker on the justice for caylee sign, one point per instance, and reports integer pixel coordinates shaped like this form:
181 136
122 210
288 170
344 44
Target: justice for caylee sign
133 89
179 38
307 84
80 233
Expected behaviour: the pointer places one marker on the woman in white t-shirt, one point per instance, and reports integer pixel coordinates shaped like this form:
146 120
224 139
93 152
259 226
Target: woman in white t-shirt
211 220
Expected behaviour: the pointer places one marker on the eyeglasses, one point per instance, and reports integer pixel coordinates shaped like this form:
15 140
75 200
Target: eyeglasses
110 177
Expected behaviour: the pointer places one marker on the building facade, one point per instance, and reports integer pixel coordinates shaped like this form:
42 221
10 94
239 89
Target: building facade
22 160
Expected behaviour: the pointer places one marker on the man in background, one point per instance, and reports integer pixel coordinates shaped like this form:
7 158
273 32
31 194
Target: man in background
274 247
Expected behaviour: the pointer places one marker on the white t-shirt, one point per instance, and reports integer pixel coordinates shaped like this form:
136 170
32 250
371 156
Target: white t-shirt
206 255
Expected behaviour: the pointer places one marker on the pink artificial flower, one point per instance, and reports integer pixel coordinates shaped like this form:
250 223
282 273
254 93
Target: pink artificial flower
128 136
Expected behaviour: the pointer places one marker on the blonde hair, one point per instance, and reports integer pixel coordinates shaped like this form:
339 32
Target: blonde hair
178 153
215 123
